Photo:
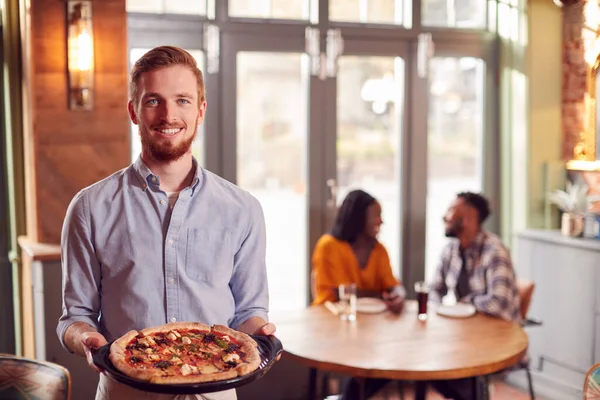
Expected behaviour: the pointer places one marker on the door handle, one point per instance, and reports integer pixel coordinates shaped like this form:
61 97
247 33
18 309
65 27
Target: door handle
332 194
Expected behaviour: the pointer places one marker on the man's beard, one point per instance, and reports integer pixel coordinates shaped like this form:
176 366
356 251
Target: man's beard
166 152
455 229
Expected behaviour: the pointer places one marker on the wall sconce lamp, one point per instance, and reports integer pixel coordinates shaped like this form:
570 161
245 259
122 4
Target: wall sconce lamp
80 54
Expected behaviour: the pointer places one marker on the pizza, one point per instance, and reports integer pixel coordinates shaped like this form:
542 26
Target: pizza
185 352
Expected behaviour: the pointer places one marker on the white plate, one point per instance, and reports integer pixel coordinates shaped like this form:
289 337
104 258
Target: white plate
458 310
370 305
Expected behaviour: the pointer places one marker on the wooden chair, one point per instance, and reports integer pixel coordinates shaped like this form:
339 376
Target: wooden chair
525 288
591 385
27 379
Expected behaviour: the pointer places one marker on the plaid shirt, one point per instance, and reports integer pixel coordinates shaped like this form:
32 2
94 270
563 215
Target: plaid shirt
491 275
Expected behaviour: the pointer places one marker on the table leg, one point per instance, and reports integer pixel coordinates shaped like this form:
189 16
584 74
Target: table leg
361 389
312 384
476 390
420 390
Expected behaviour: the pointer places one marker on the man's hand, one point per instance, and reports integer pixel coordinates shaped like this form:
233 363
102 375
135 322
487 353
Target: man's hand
258 326
266 329
92 340
394 302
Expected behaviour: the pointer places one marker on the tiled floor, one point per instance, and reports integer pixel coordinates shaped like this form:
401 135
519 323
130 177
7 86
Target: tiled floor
499 391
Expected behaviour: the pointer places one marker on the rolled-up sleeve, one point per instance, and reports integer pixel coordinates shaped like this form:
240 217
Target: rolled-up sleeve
81 272
249 284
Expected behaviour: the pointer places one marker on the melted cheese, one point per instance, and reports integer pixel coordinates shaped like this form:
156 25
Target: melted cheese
186 340
209 369
187 369
231 357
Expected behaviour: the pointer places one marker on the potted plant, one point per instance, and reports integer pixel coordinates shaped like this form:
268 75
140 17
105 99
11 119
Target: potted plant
574 203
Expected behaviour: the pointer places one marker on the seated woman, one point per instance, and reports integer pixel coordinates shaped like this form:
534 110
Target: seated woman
352 254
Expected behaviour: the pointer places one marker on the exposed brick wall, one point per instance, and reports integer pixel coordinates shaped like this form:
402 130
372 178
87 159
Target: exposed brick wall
576 42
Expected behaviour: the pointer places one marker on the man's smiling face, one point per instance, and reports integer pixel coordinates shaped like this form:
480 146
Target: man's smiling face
168 112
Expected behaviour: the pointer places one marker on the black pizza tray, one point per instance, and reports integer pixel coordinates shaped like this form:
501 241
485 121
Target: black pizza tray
269 347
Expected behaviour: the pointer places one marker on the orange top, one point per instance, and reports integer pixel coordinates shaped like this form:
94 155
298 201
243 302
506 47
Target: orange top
334 263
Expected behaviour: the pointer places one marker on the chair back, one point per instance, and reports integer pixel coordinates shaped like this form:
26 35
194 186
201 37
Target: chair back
24 378
525 288
591 385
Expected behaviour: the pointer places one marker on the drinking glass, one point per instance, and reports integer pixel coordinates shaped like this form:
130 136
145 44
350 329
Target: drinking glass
347 304
422 291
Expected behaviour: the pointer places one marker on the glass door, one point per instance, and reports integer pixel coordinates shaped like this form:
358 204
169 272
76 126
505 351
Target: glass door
266 145
368 113
461 139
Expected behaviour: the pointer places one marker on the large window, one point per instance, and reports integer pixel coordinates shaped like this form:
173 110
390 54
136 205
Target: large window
309 99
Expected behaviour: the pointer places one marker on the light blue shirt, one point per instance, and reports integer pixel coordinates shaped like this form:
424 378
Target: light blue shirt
129 261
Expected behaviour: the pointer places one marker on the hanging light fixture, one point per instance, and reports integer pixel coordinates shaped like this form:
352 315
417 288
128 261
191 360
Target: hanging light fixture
80 54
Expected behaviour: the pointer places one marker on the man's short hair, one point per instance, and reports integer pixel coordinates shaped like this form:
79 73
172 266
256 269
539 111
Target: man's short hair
479 202
163 57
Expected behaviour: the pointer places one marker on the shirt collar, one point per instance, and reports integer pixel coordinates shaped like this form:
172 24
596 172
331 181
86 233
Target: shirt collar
147 178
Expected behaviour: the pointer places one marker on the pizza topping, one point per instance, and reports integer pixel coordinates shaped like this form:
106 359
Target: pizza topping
135 360
231 357
172 336
163 364
186 340
187 369
137 346
147 341
221 343
232 347
208 338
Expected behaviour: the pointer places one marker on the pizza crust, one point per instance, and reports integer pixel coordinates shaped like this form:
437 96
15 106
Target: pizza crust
117 352
173 326
248 346
190 379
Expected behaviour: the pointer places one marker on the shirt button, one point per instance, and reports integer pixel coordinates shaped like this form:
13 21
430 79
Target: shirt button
171 281
162 202
153 179
173 319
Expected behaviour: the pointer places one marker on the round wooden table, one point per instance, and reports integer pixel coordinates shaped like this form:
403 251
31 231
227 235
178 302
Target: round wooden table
400 347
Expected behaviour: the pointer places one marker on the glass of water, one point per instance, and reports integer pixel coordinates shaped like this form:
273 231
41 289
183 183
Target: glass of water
347 303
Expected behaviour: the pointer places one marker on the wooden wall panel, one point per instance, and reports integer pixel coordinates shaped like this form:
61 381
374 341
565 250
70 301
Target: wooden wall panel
74 149
64 169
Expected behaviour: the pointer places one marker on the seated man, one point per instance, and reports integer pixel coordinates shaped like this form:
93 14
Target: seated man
476 267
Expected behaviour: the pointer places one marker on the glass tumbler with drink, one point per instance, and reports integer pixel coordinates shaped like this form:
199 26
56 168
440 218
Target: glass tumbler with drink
422 291
347 303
